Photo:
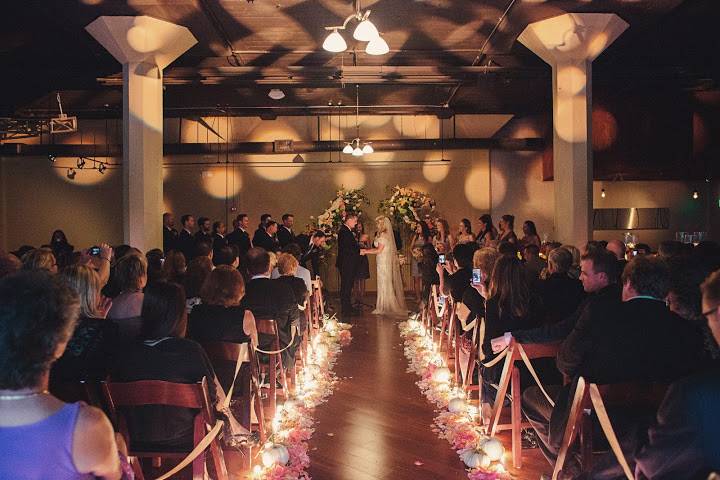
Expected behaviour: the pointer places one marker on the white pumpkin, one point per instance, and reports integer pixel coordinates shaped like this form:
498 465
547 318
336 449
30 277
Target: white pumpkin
292 404
275 453
457 405
493 448
441 375
474 458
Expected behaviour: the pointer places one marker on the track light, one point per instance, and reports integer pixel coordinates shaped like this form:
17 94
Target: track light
365 31
276 94
101 168
71 173
52 158
602 193
335 42
81 163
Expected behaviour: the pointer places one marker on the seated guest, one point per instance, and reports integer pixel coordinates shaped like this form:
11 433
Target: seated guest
455 276
530 235
507 249
270 299
227 255
684 442
40 259
560 294
155 259
131 278
592 246
174 267
88 353
197 273
265 236
203 249
312 249
638 340
617 248
574 271
301 272
474 303
40 436
287 266
599 280
642 249
669 249
9 264
161 352
533 263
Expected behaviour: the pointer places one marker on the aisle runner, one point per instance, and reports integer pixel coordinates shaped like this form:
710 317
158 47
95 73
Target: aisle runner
285 455
456 421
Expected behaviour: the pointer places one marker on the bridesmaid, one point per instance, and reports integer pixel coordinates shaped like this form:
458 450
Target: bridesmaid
465 234
363 272
507 223
488 233
443 240
421 237
530 235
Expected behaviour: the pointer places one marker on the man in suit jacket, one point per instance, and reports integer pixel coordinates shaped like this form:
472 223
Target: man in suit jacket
637 340
285 234
170 235
240 236
204 233
348 261
270 299
186 240
312 248
218 236
684 441
265 237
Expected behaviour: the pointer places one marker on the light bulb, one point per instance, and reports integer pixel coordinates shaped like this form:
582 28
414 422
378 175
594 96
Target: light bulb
602 193
357 152
365 31
695 195
367 148
377 46
348 149
335 43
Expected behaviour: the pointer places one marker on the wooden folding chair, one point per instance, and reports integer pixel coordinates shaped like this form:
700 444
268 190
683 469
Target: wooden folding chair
318 303
589 398
184 395
511 377
466 365
275 363
247 384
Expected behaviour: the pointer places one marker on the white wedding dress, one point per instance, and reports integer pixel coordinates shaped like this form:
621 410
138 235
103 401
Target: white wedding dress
390 292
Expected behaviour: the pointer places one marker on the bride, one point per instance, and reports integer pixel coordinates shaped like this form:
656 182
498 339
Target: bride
390 292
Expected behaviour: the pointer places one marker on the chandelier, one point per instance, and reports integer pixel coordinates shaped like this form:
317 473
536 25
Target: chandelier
355 147
364 32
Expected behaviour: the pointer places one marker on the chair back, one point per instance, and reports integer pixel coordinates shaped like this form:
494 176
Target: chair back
266 326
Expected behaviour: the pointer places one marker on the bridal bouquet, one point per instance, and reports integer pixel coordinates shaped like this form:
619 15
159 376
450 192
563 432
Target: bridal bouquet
405 205
346 201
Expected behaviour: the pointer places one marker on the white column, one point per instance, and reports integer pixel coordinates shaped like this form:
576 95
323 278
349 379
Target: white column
144 46
569 43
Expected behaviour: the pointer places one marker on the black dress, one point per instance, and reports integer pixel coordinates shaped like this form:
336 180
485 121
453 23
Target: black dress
363 271
88 353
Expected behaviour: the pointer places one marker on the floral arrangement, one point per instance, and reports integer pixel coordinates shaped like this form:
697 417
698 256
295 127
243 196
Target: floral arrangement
457 419
405 205
285 455
346 201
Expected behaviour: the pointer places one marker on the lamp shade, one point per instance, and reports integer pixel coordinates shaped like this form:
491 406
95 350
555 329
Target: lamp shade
348 149
335 43
377 46
367 148
357 152
276 94
365 31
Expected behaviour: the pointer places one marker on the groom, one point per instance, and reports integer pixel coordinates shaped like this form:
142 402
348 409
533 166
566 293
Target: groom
348 260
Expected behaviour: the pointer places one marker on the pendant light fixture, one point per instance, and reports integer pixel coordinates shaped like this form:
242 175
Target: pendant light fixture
355 147
365 31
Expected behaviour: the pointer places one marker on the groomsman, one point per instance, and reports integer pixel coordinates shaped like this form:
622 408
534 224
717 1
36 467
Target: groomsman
241 236
170 235
186 241
285 234
218 236
265 236
204 233
312 248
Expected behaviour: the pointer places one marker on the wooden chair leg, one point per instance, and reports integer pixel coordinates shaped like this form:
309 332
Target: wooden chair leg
502 391
570 427
272 394
218 458
516 418
586 444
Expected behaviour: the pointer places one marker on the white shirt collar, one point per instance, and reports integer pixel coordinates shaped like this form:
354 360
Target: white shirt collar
262 275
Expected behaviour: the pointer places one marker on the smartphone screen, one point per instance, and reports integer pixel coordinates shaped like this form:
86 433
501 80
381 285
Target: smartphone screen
476 276
95 251
441 259
441 301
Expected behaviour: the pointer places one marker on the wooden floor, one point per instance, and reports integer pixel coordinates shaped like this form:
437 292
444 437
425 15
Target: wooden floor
377 424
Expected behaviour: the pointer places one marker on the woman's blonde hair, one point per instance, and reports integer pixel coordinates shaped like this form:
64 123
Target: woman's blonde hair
129 270
485 259
380 224
574 252
86 282
39 259
287 264
273 259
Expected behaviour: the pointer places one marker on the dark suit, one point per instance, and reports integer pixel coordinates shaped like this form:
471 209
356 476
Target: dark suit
285 236
684 441
348 260
170 238
264 240
310 253
201 236
272 299
635 341
186 244
561 296
241 238
218 242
